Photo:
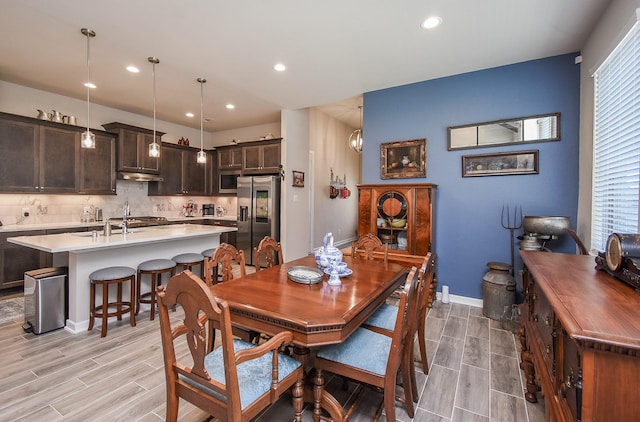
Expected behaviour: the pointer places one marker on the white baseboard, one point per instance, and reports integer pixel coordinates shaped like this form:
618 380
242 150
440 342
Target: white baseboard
463 300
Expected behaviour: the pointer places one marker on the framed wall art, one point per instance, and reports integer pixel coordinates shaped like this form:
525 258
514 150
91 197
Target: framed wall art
500 164
298 179
403 159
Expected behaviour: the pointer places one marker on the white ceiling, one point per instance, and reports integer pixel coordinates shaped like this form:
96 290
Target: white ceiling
334 49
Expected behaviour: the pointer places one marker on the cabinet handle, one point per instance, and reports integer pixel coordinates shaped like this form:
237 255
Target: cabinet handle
569 381
547 320
535 318
548 348
534 296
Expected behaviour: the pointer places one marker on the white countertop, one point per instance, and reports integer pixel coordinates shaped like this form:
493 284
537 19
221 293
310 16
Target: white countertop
86 242
98 225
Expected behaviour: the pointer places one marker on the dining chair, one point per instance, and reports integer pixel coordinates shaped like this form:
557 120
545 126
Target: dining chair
268 252
366 245
220 266
374 358
233 382
384 319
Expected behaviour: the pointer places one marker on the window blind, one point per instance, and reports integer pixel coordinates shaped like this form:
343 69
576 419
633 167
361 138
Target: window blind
616 166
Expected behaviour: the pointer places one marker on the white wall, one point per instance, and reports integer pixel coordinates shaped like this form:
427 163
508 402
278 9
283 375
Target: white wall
608 32
295 221
328 142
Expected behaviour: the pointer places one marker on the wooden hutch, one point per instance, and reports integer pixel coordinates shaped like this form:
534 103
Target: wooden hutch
380 205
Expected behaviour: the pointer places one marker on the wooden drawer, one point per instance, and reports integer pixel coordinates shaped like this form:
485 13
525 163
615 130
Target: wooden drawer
543 320
570 378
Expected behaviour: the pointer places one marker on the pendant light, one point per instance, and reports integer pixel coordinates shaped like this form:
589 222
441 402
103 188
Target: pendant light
356 139
154 148
88 139
202 156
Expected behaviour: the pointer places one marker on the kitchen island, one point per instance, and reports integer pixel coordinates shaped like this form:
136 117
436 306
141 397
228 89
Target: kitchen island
85 252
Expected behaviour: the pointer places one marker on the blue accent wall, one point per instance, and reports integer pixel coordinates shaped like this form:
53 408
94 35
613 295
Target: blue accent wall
468 210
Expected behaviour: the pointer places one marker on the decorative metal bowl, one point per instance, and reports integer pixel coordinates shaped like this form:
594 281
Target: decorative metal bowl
304 275
546 226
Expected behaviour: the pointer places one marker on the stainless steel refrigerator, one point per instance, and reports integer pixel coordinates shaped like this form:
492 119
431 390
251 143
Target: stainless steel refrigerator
258 212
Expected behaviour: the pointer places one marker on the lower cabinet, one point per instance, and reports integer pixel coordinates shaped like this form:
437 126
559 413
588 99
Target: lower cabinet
228 237
16 259
580 337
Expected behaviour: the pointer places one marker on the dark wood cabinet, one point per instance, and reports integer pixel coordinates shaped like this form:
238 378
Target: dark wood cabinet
580 338
59 159
380 205
45 157
229 158
16 259
133 148
97 170
19 155
181 173
262 158
228 237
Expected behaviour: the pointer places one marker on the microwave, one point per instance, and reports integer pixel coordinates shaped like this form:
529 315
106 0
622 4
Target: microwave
228 181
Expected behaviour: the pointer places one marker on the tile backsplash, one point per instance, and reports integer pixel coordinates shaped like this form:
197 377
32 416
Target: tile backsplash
69 208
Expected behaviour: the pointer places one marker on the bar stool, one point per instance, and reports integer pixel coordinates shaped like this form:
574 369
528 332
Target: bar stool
188 260
105 277
208 253
155 268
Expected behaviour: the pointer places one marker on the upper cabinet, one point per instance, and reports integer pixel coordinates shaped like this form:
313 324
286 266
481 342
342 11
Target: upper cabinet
19 155
264 157
45 157
181 173
59 158
98 166
133 148
229 158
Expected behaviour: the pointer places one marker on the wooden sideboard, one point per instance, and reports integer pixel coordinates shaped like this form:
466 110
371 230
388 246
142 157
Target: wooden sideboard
580 336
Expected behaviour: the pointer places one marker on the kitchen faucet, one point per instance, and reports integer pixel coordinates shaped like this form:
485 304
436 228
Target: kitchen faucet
125 214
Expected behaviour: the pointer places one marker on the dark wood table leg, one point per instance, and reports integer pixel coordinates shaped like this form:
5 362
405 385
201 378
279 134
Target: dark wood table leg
314 391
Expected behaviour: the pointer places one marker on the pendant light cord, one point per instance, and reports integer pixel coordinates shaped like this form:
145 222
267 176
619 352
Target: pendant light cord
154 101
88 75
202 82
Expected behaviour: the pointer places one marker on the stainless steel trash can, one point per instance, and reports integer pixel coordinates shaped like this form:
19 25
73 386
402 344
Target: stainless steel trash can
45 299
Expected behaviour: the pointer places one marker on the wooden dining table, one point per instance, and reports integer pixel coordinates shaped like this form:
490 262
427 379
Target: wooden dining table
269 302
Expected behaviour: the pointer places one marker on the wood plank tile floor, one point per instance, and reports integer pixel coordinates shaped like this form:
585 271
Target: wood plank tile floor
59 376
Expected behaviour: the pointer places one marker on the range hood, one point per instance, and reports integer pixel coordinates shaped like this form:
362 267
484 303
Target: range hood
139 177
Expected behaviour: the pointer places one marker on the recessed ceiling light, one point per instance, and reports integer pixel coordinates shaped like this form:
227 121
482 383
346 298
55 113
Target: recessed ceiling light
189 114
431 22
280 67
133 69
90 85
230 106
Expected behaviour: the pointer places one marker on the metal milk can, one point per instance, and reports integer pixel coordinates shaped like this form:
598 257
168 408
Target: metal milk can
498 290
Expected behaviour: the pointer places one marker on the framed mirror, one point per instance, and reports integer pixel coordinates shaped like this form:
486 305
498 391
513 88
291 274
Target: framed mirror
530 129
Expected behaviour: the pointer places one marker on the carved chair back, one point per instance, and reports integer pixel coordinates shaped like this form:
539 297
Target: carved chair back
268 252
